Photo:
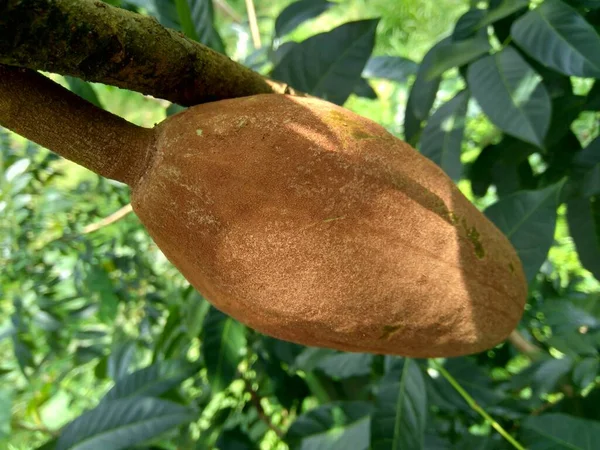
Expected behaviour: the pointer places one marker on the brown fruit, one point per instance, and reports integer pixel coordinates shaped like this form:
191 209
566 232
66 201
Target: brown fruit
297 217
315 225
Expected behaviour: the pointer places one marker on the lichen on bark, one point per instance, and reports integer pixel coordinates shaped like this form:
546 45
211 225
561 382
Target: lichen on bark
101 43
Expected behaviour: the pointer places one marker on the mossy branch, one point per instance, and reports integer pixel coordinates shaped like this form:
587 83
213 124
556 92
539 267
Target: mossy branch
97 42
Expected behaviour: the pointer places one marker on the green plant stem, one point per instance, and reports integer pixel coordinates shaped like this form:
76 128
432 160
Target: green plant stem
473 404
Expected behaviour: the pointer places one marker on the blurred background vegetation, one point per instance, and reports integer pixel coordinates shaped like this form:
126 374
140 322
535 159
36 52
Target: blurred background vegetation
85 304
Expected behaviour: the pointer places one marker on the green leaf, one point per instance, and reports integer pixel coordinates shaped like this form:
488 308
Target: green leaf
84 90
277 55
424 90
549 375
592 4
23 350
559 37
235 439
394 68
587 158
504 164
476 381
197 22
122 423
336 426
457 54
573 344
47 322
100 283
170 332
501 27
584 179
7 330
223 341
164 10
528 219
329 65
346 365
195 309
590 183
400 411
365 90
120 360
467 24
284 351
50 445
504 9
422 94
16 169
6 400
586 371
592 101
583 216
310 358
512 95
560 431
152 381
443 135
87 353
564 316
299 12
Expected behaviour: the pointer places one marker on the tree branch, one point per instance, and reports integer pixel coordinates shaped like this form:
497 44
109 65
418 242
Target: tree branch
253 22
112 218
256 401
529 349
226 9
44 112
94 41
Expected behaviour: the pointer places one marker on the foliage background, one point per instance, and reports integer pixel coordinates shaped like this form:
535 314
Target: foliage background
106 346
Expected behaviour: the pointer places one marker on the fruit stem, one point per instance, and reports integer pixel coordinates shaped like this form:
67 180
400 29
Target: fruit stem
475 406
44 112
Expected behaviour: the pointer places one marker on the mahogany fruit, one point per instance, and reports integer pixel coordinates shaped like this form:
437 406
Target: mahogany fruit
314 225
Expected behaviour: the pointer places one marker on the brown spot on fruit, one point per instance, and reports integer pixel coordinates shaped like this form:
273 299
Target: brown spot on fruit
388 330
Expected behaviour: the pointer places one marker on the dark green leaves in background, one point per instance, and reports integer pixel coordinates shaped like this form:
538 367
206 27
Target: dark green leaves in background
512 95
560 38
197 22
528 219
393 68
195 18
337 426
503 9
297 13
223 341
400 418
422 94
559 431
152 381
443 135
188 376
584 225
522 87
329 65
119 424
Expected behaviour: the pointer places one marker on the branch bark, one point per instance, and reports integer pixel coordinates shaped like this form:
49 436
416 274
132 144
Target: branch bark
94 41
108 220
227 10
526 347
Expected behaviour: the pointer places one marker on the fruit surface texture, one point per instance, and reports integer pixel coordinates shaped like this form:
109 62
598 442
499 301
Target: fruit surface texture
312 224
